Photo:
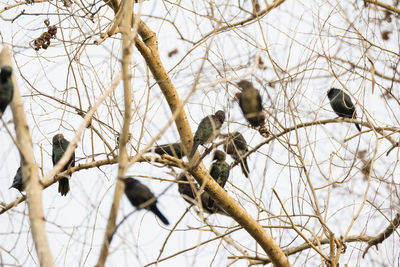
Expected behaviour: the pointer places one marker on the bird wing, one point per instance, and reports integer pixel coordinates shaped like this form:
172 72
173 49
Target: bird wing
205 130
143 194
214 172
53 157
71 161
348 103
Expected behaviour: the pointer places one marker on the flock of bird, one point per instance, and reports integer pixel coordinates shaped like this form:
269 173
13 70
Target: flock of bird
208 130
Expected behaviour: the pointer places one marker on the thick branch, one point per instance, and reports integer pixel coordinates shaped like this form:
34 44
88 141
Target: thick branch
30 171
150 54
385 234
384 5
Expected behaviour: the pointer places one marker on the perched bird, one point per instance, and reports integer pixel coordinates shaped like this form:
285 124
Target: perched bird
208 130
236 146
174 150
219 171
189 193
6 88
60 145
251 104
138 194
17 183
342 105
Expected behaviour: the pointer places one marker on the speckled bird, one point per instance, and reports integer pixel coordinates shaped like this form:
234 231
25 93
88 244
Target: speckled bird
219 170
208 130
251 103
6 88
60 145
190 191
236 146
138 194
17 182
342 105
174 150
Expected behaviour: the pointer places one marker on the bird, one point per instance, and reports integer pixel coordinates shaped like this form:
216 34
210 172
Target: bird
236 146
17 182
139 194
342 105
190 191
207 130
174 150
6 88
60 145
219 171
251 104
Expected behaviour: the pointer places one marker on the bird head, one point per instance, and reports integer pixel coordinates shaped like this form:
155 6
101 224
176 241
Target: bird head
332 92
128 180
220 115
219 155
57 139
5 73
236 135
245 84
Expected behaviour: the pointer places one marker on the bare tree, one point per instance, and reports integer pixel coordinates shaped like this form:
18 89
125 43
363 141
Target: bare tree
118 78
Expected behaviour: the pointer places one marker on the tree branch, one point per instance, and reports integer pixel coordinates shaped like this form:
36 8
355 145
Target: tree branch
30 171
384 235
384 5
163 160
199 172
126 11
304 246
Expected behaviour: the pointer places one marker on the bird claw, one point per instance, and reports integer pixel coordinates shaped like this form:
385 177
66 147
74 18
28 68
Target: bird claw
264 132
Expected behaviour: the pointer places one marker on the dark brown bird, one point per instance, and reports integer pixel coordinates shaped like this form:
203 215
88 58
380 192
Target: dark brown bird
251 103
190 193
342 105
139 194
174 150
219 171
208 130
60 145
17 182
236 146
6 88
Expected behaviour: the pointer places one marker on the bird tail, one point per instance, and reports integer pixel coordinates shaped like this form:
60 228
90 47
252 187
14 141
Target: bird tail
245 167
63 186
194 148
358 127
158 213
